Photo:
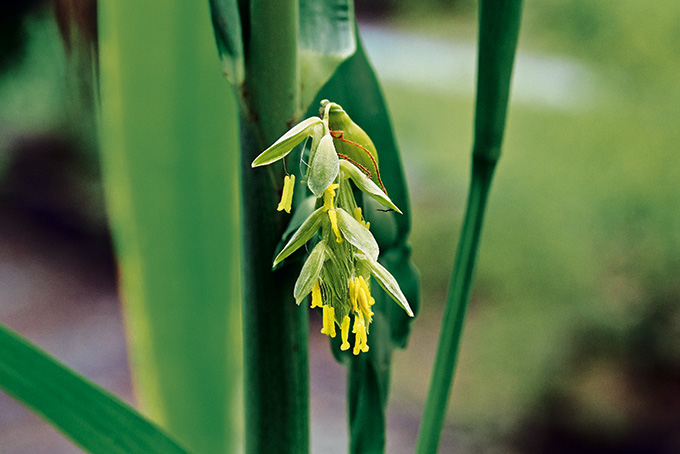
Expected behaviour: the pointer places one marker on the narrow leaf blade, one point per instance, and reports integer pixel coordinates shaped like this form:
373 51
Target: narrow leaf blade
91 417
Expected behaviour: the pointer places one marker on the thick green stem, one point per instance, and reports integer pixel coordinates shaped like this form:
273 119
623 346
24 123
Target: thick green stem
276 363
456 307
499 22
272 75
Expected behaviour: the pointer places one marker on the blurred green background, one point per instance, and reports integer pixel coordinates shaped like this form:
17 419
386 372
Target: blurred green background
573 338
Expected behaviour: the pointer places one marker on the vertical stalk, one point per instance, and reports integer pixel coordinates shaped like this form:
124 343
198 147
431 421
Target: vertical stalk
499 23
456 307
275 329
169 150
272 75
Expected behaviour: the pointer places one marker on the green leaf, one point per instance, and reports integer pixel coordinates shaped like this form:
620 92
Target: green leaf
367 185
357 234
326 39
303 234
169 143
324 166
310 272
311 126
90 416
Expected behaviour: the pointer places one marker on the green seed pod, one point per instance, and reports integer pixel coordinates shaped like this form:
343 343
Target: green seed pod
352 143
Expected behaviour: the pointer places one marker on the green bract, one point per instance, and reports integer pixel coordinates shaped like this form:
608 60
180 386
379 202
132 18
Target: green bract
310 127
367 185
324 166
338 270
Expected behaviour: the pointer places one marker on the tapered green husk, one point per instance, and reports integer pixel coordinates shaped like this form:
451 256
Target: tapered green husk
169 143
499 23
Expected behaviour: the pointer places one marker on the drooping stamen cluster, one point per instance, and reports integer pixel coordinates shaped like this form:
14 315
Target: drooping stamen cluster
338 269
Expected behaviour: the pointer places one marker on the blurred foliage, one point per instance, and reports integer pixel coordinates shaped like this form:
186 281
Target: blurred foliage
634 36
583 230
583 226
13 35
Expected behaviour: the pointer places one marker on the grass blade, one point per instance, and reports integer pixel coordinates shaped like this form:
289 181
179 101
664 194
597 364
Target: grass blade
499 23
93 418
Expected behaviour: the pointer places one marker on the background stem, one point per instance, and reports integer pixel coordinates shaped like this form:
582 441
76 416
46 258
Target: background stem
456 307
499 23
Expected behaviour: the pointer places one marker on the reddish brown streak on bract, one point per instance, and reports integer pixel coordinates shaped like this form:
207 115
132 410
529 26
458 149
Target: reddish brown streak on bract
363 169
340 135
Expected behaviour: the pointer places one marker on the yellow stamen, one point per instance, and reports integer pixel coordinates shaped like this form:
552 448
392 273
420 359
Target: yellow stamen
329 195
287 195
328 321
357 216
362 282
316 296
353 295
344 333
363 304
334 223
360 338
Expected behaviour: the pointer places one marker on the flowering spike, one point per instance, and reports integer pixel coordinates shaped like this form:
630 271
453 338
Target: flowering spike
350 261
287 195
344 333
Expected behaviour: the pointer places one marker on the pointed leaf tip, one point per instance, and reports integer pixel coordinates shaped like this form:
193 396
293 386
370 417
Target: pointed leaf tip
287 142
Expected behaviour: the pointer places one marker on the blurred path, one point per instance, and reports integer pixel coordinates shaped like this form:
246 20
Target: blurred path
447 66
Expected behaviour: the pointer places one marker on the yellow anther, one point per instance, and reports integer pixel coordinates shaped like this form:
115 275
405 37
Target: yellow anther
361 282
287 195
316 296
360 338
328 321
334 223
357 214
353 295
329 195
344 333
358 217
364 305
